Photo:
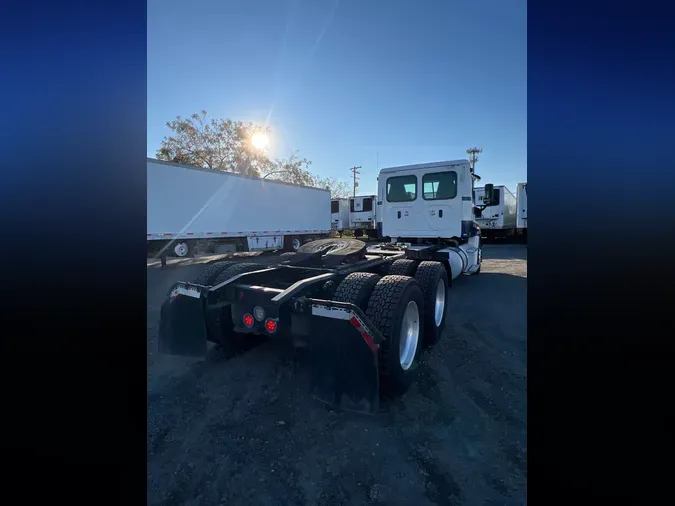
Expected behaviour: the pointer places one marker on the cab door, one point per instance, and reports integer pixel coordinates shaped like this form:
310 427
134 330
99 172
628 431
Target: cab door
439 203
399 196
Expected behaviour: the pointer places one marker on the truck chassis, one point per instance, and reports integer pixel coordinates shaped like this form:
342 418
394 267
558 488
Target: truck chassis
363 314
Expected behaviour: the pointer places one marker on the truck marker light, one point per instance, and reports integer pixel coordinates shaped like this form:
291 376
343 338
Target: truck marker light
259 313
248 320
271 326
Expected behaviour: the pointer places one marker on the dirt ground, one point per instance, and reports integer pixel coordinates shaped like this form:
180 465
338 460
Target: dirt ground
245 431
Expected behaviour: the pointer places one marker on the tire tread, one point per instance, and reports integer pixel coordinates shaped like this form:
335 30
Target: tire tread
357 288
383 311
212 271
403 267
427 275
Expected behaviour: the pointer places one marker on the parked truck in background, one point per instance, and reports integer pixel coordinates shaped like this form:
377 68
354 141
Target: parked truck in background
363 313
339 214
498 220
521 210
362 215
191 209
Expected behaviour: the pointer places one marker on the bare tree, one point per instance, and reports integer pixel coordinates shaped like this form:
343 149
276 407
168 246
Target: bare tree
217 144
338 189
223 144
296 170
293 170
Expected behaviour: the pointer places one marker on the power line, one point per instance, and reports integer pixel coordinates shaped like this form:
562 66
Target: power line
355 172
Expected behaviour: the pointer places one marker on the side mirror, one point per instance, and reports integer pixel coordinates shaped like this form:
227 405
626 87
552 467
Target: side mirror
477 212
489 194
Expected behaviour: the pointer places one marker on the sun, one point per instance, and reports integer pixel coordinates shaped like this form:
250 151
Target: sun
260 140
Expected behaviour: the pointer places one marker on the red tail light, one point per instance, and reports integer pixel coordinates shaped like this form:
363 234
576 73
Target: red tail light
248 320
271 326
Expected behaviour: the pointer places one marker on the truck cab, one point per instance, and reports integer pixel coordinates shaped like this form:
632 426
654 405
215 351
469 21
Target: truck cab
432 200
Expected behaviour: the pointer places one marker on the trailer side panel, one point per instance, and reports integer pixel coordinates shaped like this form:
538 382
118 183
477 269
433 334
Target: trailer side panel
191 203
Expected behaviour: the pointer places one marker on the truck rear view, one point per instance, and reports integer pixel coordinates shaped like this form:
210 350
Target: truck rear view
339 215
362 215
498 220
364 313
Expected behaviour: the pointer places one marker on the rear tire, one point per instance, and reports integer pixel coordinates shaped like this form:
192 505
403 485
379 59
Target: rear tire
387 309
212 271
235 270
403 267
433 278
356 289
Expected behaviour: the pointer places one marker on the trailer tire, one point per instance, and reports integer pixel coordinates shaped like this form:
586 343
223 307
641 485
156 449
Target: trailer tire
212 271
431 277
388 309
403 267
356 289
186 247
292 243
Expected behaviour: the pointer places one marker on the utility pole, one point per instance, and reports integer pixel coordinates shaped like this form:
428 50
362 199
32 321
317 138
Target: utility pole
473 157
355 172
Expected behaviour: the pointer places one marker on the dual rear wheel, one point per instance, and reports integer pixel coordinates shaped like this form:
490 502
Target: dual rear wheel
408 310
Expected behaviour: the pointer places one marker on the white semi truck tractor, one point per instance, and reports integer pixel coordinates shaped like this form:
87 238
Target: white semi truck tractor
362 313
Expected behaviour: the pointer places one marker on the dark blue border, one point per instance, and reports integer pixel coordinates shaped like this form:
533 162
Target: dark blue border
601 156
72 201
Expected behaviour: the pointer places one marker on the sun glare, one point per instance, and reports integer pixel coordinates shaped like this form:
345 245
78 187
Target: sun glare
260 140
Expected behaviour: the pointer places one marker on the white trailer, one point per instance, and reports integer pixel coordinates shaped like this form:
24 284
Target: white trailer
190 208
339 214
521 199
362 215
498 220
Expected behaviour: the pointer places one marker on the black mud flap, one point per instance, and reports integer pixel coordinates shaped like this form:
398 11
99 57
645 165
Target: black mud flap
182 326
343 350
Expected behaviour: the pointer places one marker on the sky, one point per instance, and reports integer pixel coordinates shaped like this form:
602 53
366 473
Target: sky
375 83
